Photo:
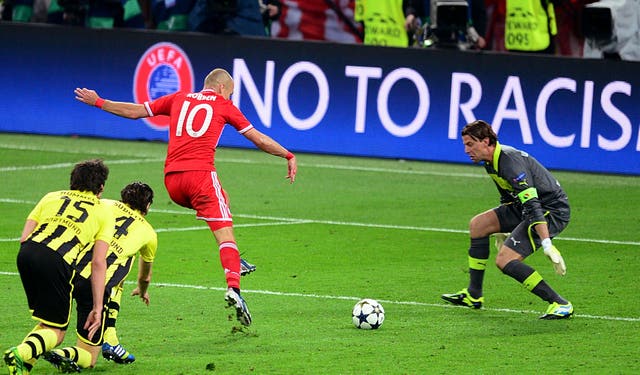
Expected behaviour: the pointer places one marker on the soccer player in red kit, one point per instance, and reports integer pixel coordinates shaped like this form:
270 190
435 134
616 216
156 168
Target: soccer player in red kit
196 123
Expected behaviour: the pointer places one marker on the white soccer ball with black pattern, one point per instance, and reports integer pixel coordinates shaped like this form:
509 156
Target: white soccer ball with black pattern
368 314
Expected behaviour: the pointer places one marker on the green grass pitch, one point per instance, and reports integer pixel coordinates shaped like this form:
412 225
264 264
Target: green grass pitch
348 228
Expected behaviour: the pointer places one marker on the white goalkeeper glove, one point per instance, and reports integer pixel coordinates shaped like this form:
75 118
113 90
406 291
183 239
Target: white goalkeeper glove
554 255
499 239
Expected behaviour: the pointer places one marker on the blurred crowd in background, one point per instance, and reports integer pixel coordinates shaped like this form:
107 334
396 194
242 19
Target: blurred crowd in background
607 29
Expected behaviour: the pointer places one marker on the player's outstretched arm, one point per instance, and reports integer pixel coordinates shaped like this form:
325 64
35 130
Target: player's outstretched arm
122 109
268 145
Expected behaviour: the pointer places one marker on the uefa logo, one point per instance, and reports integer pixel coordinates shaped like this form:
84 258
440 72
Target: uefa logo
163 69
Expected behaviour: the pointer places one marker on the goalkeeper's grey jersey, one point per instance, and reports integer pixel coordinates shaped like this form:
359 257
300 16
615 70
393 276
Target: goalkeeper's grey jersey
521 179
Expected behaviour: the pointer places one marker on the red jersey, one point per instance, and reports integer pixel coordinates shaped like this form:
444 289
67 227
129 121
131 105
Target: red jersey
195 126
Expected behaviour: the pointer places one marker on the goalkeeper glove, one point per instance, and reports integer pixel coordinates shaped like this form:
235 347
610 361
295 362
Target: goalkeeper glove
499 239
554 255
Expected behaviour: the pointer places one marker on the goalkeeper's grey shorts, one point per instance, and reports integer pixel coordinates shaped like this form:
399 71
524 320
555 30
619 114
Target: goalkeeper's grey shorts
523 239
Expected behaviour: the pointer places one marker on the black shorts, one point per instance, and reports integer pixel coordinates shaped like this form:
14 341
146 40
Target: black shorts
83 295
47 282
523 238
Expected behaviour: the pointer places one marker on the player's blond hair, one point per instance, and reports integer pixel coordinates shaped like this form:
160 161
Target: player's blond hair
217 76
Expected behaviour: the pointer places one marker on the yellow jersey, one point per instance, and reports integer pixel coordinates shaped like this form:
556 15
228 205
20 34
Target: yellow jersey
528 25
132 235
383 22
70 221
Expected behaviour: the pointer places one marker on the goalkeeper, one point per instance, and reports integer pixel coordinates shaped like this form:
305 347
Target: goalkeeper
534 209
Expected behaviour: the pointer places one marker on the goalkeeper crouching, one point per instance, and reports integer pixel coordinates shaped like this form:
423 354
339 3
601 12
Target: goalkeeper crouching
133 234
533 210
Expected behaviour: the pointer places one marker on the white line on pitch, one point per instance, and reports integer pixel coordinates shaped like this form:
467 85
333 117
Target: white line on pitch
68 165
42 148
151 157
156 156
387 226
286 221
350 298
204 227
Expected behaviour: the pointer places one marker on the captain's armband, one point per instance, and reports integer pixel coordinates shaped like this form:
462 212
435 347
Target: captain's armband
528 194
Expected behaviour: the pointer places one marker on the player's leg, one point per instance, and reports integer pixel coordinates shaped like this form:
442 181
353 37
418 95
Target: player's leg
111 348
229 254
46 279
481 227
40 340
69 359
202 191
74 358
85 353
519 245
230 260
178 184
113 309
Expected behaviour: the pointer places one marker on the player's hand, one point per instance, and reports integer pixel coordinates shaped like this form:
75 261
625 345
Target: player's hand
144 297
292 169
556 258
86 96
411 23
94 322
481 43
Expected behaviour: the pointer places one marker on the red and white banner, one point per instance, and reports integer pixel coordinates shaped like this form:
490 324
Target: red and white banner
316 20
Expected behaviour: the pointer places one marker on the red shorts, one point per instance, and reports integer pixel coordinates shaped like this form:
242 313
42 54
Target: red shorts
201 191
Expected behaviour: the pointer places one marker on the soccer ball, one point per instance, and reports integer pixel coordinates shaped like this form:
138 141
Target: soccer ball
368 314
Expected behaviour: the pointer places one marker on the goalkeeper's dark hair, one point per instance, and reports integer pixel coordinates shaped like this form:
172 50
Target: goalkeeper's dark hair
89 175
479 130
138 196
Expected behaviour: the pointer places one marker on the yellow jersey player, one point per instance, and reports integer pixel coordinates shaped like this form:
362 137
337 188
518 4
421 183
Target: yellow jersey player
65 227
133 234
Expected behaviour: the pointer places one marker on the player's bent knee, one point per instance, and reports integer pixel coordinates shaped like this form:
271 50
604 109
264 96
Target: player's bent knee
506 255
484 224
